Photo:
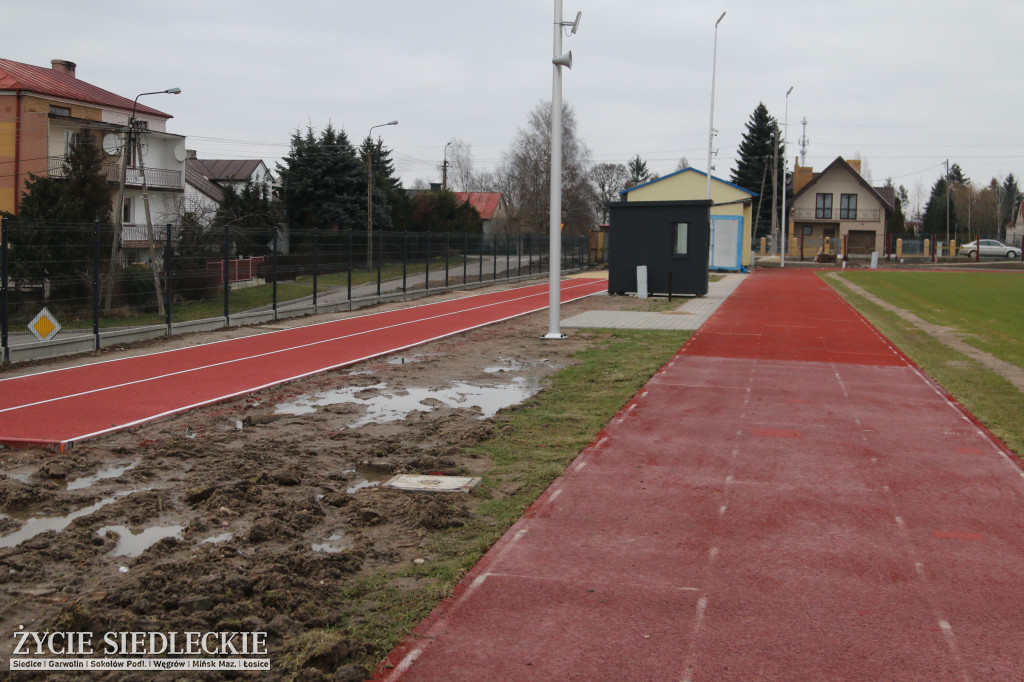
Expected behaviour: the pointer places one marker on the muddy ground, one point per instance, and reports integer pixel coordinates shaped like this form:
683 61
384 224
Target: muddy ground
256 514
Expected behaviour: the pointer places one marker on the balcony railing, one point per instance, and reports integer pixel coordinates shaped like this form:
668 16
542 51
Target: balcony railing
156 178
864 215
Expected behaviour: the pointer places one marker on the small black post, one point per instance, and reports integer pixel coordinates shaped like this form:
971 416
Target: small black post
380 259
447 252
494 256
519 254
508 243
405 260
96 283
316 254
168 255
273 266
426 281
6 355
465 260
481 258
227 286
350 269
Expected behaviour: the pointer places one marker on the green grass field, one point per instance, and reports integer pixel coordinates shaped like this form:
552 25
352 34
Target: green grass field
986 307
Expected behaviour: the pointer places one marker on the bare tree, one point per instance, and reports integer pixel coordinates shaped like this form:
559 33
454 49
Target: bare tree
683 164
460 167
526 168
609 179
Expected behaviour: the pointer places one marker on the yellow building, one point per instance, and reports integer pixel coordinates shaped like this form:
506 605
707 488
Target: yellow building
731 212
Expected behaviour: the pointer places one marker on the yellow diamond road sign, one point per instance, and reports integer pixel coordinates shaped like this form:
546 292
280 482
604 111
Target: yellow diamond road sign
44 326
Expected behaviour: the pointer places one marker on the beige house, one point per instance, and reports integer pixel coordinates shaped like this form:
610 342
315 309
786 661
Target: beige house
837 208
731 212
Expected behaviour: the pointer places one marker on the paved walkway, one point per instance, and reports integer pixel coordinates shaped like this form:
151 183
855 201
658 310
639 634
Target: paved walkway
787 499
691 313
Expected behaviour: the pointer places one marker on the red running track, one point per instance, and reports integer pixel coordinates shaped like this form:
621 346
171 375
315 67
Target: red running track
788 499
61 406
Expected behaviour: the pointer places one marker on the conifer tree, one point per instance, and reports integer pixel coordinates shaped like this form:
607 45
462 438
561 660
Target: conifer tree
754 162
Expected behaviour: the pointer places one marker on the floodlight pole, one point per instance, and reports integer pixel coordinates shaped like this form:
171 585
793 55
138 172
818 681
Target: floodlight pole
711 125
785 139
558 60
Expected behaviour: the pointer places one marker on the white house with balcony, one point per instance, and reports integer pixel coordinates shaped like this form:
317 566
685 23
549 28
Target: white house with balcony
837 208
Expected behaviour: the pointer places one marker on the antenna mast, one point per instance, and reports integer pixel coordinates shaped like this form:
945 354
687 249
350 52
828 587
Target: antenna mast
803 143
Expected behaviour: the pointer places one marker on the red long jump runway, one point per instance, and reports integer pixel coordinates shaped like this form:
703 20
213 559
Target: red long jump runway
62 406
789 498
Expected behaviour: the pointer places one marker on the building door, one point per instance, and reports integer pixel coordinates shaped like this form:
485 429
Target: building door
725 252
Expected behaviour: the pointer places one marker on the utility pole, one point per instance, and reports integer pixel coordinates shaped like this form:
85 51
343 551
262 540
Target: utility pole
149 226
444 168
115 260
947 207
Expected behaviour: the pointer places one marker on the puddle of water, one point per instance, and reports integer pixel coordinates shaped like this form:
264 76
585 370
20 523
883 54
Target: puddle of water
385 407
367 476
336 543
19 476
102 474
37 525
507 365
217 539
132 545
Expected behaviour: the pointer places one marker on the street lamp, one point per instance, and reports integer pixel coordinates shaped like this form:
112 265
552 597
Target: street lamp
558 60
444 168
369 192
118 223
711 125
785 139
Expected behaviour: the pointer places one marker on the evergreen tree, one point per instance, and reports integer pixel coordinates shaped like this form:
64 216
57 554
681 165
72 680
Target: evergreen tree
753 166
324 182
440 212
638 173
387 187
957 177
1010 202
68 204
897 223
935 211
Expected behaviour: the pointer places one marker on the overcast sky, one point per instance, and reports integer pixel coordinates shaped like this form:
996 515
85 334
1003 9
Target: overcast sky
901 84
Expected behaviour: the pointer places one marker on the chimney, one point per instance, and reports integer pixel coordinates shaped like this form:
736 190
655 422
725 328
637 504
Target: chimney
63 66
854 164
190 154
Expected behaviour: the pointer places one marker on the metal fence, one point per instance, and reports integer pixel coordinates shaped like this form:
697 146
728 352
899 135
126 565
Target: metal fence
194 279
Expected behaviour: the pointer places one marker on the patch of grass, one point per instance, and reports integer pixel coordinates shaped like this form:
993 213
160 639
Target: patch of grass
990 397
987 306
532 445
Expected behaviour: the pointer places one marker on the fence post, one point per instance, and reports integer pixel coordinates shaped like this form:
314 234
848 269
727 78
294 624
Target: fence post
508 243
426 279
350 269
168 255
316 255
273 267
465 260
481 264
405 262
96 283
519 254
447 252
494 257
227 285
5 351
380 259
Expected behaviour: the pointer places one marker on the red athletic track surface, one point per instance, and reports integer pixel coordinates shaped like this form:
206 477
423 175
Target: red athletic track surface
72 404
787 499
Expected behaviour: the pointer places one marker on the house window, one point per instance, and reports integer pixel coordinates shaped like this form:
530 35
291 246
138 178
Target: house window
682 245
823 206
60 111
126 212
848 207
70 141
808 230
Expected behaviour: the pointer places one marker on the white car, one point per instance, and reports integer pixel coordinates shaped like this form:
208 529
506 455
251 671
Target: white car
989 247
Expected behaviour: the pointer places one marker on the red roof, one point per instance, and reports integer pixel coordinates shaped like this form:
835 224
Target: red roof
485 203
46 81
